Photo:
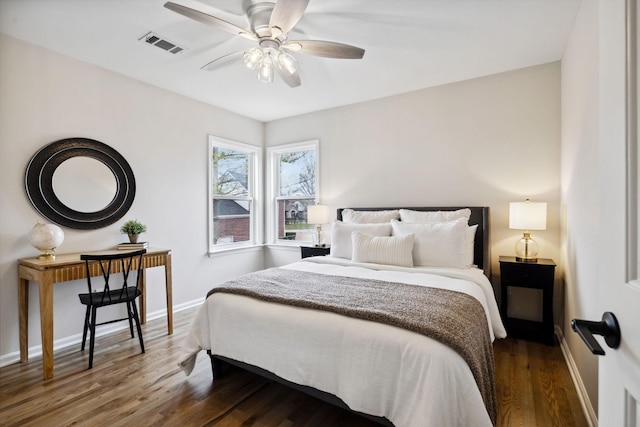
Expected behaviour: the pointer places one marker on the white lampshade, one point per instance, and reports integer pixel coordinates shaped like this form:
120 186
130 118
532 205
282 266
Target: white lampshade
317 214
528 215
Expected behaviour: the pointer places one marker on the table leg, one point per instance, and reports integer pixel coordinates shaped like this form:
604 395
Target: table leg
169 287
46 323
143 297
23 314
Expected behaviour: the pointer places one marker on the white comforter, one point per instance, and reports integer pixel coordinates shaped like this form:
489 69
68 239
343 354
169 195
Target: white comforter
381 370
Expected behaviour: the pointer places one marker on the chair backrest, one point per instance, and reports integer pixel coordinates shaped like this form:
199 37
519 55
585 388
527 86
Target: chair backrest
108 266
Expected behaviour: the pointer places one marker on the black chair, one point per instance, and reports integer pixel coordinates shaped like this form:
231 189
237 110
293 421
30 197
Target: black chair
124 291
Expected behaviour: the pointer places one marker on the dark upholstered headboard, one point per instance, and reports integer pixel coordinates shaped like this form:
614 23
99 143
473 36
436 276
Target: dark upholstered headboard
479 215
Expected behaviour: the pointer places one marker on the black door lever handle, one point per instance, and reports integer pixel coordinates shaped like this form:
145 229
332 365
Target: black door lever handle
608 328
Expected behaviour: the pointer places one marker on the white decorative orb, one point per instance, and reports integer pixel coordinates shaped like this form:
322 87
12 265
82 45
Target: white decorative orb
46 238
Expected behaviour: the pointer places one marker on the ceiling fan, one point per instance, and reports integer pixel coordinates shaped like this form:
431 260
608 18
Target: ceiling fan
270 23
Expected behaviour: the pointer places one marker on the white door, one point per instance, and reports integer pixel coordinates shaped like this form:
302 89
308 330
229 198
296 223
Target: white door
619 269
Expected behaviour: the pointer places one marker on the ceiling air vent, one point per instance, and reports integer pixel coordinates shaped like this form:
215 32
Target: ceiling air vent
162 43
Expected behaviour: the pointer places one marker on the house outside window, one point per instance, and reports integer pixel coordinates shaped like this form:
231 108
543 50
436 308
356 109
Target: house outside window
234 216
293 175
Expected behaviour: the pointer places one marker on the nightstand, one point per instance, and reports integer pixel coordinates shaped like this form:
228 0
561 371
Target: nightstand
533 275
308 251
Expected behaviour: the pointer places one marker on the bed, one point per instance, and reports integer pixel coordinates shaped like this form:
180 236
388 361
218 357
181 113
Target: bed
396 324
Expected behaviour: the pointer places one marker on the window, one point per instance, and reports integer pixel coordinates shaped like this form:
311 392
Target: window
293 177
234 218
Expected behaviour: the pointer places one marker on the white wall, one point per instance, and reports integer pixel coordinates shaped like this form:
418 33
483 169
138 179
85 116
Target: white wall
482 142
580 187
46 97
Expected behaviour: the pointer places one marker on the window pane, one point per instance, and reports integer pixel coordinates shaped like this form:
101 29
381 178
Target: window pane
298 173
230 172
292 219
231 221
234 214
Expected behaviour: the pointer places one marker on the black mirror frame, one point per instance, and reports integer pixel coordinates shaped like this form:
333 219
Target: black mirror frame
39 183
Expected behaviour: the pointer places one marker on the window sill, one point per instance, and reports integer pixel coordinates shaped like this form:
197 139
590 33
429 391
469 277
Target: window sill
288 246
235 250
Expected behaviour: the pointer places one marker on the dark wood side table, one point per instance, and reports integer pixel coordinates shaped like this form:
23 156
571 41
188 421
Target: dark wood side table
308 251
533 275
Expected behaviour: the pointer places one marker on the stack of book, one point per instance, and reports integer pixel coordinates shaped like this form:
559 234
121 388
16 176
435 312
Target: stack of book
133 246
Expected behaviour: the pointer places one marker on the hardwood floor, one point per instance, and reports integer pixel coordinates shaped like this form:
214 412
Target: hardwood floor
534 387
126 388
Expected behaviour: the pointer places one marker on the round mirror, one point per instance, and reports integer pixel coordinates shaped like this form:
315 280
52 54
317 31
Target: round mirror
84 184
80 183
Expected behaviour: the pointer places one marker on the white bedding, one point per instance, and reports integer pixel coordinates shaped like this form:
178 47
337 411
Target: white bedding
381 370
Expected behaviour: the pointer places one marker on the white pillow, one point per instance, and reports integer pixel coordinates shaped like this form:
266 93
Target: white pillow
394 250
407 215
471 239
369 217
438 244
341 246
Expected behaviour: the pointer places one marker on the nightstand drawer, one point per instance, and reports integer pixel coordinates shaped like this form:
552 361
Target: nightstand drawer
308 251
526 276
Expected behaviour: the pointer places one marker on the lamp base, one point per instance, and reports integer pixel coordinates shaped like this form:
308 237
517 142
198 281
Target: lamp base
318 243
48 255
526 249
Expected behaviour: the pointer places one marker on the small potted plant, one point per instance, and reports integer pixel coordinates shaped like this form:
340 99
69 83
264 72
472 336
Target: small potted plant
133 228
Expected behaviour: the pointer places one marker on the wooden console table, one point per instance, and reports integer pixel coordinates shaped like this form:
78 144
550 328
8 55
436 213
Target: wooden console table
64 268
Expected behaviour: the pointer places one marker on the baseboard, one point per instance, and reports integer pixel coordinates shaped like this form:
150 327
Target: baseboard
36 350
176 309
587 407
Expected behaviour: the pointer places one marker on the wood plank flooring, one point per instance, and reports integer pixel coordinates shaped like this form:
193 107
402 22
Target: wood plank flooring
126 388
534 387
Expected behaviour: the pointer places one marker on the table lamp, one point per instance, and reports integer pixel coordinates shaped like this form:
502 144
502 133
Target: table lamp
318 215
527 216
46 238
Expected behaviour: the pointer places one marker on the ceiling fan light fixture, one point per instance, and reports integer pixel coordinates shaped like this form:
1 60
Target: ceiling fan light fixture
287 62
253 58
265 72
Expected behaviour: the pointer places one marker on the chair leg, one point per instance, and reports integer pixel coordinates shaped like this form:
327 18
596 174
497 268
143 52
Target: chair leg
137 319
130 316
92 339
86 327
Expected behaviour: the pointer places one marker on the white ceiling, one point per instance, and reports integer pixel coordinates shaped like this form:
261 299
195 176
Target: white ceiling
410 45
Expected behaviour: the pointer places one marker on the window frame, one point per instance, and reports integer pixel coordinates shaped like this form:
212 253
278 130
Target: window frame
254 196
273 191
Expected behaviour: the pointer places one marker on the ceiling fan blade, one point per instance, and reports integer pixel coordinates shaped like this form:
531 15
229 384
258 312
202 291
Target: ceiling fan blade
205 18
292 79
223 60
287 13
325 48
